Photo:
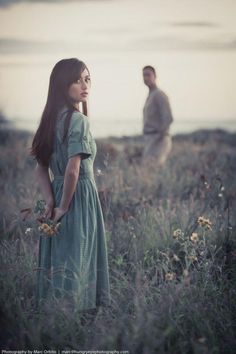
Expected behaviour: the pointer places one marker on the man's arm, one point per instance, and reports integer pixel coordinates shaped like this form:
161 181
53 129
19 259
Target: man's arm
43 178
165 112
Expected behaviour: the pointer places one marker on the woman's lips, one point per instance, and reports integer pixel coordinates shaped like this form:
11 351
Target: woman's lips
84 93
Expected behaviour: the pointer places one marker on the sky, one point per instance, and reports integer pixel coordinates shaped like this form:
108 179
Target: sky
192 45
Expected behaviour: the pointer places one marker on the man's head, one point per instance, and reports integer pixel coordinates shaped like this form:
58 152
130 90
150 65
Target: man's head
149 75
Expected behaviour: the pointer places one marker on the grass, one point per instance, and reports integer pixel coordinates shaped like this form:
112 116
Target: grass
173 280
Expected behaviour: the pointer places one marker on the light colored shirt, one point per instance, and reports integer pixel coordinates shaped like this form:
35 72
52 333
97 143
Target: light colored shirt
157 114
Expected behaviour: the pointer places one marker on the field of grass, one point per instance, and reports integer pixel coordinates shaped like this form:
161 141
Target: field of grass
173 275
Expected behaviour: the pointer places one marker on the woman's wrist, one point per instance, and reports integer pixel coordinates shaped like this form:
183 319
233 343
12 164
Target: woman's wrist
63 209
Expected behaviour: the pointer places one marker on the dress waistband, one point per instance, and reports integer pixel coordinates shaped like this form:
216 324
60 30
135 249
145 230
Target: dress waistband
89 175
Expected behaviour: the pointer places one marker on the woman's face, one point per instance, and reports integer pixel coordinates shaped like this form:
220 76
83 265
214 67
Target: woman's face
79 90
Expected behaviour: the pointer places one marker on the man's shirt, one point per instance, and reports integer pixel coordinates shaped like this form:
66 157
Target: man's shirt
157 114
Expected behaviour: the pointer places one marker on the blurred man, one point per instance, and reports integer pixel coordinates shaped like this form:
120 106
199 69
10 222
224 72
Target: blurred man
157 117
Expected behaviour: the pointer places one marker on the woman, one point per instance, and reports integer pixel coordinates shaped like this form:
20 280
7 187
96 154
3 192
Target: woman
73 264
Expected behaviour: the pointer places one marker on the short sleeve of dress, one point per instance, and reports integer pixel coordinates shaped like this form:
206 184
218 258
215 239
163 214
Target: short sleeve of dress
78 136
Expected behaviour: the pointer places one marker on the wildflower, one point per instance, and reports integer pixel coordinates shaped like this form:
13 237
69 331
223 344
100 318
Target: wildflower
178 233
194 237
49 229
99 172
176 258
28 230
193 258
220 195
185 273
44 227
169 276
204 222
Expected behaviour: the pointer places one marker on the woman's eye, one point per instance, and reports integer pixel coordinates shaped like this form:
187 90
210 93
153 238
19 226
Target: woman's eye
79 80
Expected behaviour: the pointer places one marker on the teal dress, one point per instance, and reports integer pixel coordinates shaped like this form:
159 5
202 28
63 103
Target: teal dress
74 262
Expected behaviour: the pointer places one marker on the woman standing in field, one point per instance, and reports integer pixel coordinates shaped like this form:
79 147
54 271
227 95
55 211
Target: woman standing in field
73 264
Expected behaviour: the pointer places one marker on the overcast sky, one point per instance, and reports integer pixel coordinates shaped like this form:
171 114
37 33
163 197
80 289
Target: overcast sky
191 43
133 25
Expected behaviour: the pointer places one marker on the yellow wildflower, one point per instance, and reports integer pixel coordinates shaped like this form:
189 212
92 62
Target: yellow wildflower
169 276
49 229
45 227
194 237
51 232
204 222
177 233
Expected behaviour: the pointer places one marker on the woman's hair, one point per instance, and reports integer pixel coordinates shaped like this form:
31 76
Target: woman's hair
64 73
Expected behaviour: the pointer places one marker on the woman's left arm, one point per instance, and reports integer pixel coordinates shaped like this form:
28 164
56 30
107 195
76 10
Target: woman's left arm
44 182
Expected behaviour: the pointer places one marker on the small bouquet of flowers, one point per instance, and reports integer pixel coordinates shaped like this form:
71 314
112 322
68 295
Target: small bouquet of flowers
44 225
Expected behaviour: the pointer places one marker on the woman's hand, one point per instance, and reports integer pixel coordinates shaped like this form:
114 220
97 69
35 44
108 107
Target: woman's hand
57 214
48 210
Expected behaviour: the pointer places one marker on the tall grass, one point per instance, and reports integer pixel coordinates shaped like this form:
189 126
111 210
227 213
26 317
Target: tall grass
172 278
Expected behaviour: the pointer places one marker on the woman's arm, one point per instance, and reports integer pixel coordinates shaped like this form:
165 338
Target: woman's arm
70 181
43 179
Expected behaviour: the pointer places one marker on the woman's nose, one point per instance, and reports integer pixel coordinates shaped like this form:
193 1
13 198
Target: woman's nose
84 85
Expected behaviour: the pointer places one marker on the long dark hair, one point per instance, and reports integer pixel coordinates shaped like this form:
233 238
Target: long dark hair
64 73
